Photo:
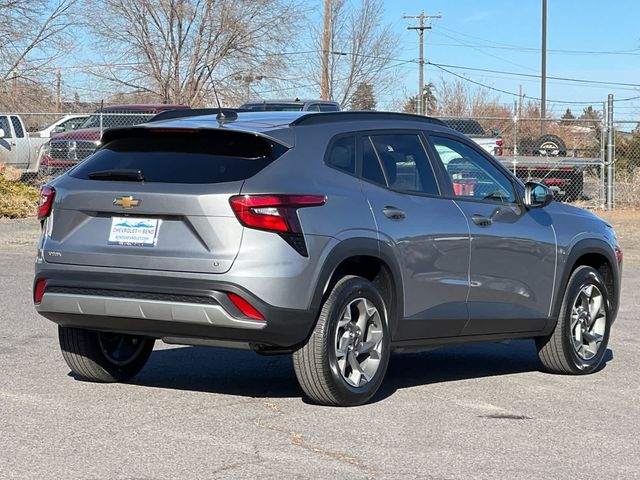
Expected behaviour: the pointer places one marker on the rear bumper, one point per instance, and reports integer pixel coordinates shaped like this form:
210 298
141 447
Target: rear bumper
161 307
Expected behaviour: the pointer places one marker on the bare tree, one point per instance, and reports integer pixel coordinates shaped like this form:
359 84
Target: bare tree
459 99
33 35
362 48
161 47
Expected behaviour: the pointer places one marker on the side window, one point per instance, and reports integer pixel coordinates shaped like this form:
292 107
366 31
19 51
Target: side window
405 163
371 169
17 127
342 155
472 175
4 125
328 108
314 107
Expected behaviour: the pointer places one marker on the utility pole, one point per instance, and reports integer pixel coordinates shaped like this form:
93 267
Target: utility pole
326 41
421 27
520 102
543 69
58 91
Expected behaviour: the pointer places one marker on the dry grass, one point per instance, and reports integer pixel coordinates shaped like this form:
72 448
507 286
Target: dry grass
626 222
17 199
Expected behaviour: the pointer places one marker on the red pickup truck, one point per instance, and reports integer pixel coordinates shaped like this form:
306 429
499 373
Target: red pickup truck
66 149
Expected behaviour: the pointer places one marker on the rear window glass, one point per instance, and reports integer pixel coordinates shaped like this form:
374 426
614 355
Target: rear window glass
202 157
467 126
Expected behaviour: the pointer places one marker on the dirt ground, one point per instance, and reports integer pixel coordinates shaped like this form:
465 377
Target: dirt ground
626 223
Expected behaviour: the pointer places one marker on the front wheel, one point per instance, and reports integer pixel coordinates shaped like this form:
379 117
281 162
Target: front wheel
102 356
345 359
579 341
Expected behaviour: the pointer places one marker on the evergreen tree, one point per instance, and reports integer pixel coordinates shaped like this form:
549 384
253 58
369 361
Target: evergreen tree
363 98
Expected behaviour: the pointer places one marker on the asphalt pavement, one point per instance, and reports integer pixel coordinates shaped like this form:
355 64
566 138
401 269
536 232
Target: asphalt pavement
469 412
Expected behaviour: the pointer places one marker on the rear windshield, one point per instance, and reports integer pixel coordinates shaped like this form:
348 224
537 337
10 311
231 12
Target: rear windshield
469 127
273 107
193 157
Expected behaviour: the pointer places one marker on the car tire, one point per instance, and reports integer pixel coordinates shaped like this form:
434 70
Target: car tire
579 341
345 359
104 357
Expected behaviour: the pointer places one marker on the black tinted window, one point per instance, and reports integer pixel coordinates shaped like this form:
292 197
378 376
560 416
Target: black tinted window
202 157
17 127
405 163
466 126
326 107
371 169
342 154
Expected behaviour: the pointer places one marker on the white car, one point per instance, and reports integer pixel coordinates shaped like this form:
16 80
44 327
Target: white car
64 124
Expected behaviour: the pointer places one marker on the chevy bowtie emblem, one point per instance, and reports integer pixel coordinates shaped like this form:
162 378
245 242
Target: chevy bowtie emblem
126 202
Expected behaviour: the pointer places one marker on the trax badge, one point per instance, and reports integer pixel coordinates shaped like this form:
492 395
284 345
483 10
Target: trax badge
126 202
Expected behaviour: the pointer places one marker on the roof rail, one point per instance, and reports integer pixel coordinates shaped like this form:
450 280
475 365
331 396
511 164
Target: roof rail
194 112
328 117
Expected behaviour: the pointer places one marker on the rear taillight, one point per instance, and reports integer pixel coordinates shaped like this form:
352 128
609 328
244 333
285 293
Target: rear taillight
274 213
498 148
245 307
38 290
47 194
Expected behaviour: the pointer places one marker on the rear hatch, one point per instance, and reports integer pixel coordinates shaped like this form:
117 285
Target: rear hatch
156 199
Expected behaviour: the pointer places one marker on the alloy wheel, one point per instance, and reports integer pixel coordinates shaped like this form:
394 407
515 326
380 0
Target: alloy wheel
358 342
588 322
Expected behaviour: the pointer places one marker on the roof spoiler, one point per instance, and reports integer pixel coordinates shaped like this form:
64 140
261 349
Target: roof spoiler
194 112
329 117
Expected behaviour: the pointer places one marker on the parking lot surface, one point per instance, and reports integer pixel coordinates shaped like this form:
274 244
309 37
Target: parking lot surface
481 411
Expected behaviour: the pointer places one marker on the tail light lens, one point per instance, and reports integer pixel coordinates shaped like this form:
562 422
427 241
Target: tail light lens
47 194
245 307
38 290
498 149
274 213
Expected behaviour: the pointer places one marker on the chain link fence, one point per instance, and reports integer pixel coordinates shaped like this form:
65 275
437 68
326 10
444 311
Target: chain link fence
567 155
41 146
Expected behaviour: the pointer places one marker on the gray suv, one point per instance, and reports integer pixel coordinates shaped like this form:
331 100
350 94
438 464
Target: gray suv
335 237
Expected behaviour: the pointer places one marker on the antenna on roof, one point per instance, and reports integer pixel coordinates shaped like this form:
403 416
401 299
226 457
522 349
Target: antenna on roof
221 117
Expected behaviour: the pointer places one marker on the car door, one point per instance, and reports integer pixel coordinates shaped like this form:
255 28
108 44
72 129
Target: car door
428 234
21 144
513 250
7 142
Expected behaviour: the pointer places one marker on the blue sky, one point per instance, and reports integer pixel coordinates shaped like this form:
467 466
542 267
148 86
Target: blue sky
492 34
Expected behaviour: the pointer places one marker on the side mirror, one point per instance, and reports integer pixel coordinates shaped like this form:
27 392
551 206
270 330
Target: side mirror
537 195
1 133
59 129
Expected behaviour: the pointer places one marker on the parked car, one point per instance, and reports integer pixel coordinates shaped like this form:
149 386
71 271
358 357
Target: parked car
66 149
296 105
492 143
17 148
335 237
64 124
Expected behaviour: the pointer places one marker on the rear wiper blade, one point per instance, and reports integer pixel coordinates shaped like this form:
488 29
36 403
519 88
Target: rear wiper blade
123 175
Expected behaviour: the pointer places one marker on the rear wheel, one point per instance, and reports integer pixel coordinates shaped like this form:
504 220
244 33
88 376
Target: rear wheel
103 356
579 341
345 359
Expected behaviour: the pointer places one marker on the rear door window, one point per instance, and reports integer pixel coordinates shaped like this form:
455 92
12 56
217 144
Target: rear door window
179 157
17 127
405 163
371 169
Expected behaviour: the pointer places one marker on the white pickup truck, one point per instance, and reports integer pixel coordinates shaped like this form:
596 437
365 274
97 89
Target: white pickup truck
17 148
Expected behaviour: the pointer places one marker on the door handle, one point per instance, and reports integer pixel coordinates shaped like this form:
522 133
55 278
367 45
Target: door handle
394 213
481 221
